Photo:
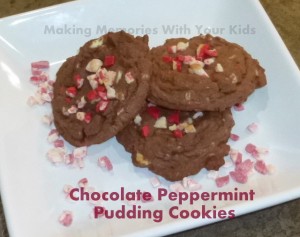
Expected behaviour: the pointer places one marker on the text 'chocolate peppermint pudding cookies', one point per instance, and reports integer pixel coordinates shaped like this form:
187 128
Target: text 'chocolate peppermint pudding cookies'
100 90
203 73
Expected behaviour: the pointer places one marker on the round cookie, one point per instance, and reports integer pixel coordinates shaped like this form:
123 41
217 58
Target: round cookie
100 90
176 144
204 73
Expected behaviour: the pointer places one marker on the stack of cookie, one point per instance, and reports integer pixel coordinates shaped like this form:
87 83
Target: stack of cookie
169 107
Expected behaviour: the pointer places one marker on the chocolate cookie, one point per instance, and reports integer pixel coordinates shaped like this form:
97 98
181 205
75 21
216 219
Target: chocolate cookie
100 90
177 144
204 73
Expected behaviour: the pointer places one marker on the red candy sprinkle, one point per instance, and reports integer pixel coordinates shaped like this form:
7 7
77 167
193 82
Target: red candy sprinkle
222 181
153 111
238 107
167 59
101 106
92 95
146 130
180 58
71 91
178 133
88 117
174 118
211 53
179 66
109 61
202 52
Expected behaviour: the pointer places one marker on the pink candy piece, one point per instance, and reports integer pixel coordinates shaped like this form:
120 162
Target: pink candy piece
31 101
235 156
56 155
83 182
104 162
66 218
239 177
53 136
40 65
222 181
47 119
261 167
67 188
234 137
177 187
69 159
155 182
213 174
80 152
238 107
191 184
59 143
250 148
244 167
38 79
253 127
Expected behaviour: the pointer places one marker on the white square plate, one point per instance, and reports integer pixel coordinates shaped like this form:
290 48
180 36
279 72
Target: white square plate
31 187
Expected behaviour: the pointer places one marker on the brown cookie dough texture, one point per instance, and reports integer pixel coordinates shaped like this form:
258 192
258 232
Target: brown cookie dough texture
176 144
204 73
100 90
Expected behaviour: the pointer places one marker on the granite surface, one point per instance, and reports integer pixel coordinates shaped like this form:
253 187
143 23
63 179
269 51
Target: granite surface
279 221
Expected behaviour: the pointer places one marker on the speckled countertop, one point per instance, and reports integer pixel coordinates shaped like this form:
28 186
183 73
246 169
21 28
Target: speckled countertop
279 221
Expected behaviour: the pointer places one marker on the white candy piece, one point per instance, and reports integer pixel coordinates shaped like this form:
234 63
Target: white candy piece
212 174
56 155
31 101
47 119
190 129
155 182
173 49
109 78
161 122
138 120
53 136
81 103
177 187
209 61
96 43
129 78
111 92
72 110
173 127
94 65
119 76
80 152
197 115
219 68
93 84
80 116
181 46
